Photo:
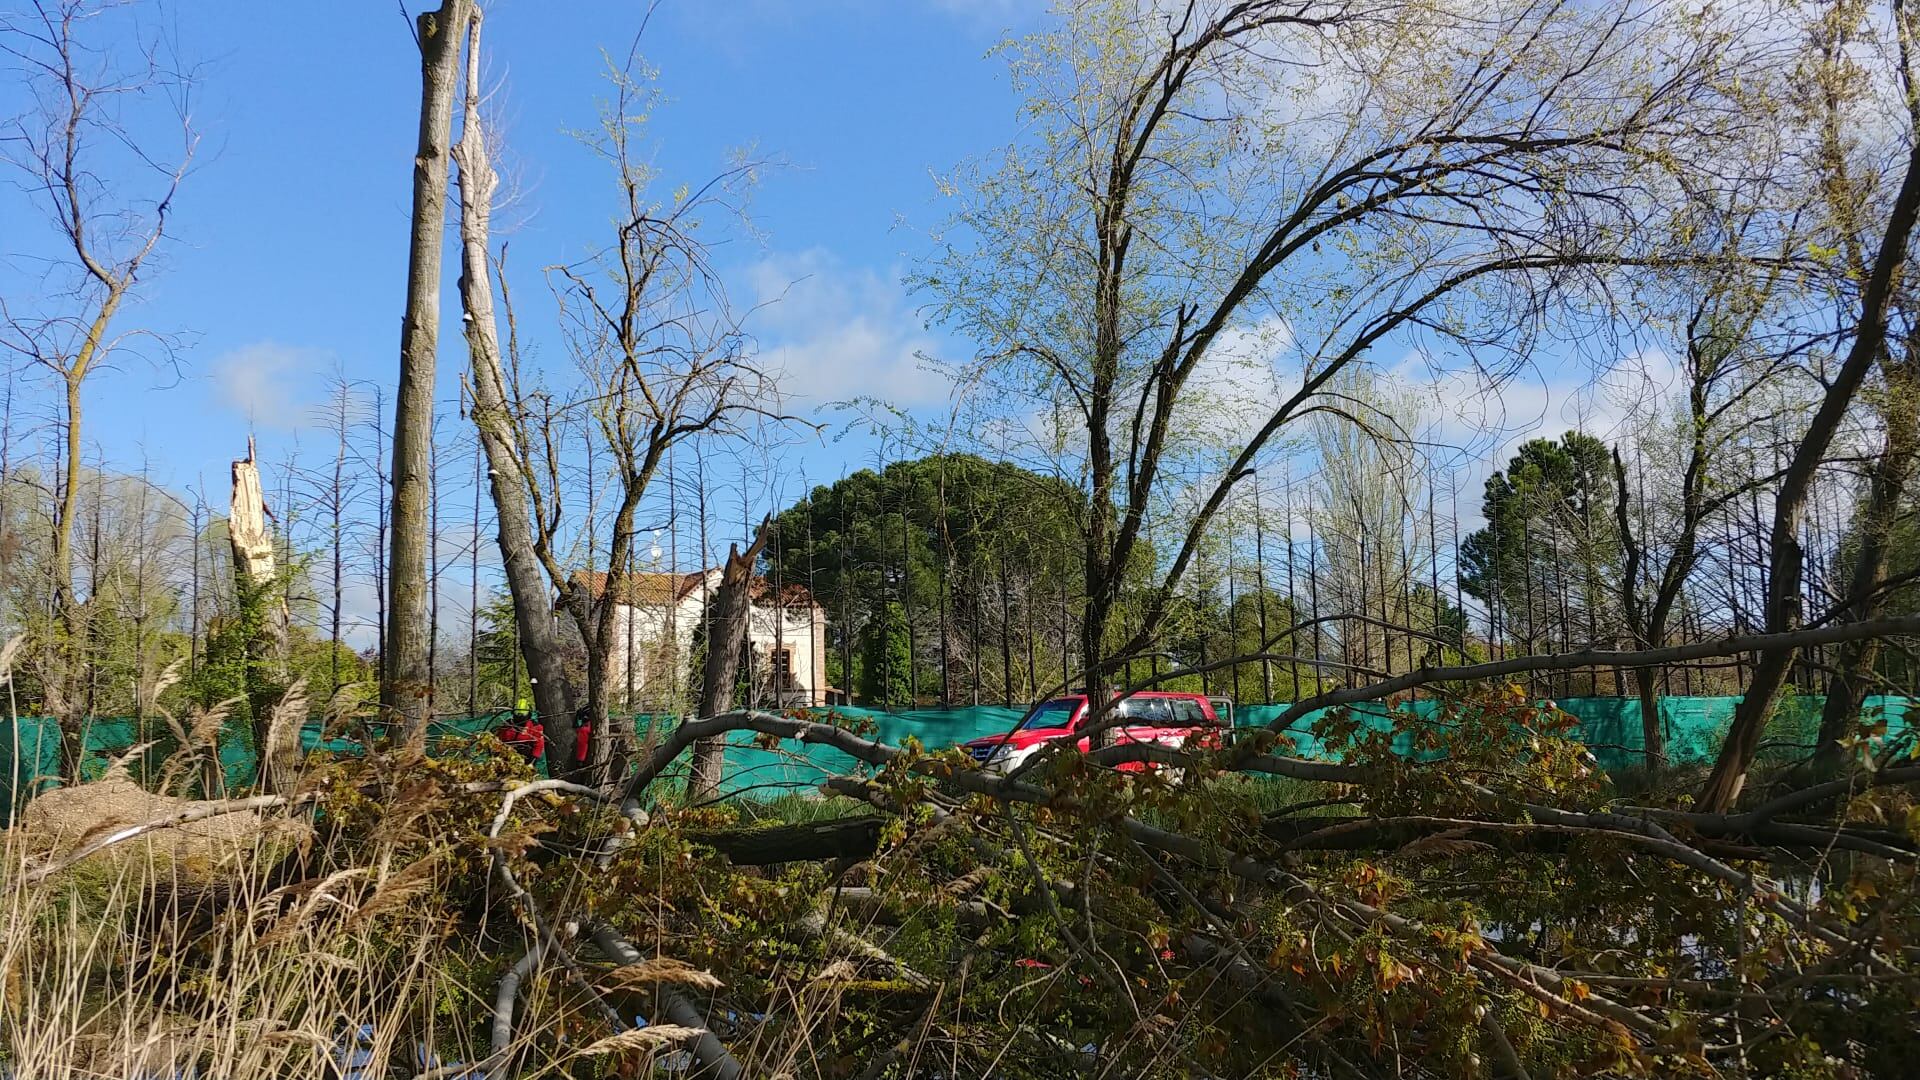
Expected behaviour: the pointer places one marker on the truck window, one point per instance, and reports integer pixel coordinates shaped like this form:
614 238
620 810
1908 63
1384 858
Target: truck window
1188 713
1053 714
1152 711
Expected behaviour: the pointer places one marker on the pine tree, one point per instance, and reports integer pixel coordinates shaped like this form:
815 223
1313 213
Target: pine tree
884 657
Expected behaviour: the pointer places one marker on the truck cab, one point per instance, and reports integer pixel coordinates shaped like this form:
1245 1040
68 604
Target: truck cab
1166 717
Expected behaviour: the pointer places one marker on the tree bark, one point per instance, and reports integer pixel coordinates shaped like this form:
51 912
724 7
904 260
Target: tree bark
1653 740
727 616
72 658
1652 735
1783 595
406 683
1848 691
604 755
843 838
494 420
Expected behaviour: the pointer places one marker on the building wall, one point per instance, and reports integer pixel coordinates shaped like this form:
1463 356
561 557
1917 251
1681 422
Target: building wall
802 636
656 641
662 637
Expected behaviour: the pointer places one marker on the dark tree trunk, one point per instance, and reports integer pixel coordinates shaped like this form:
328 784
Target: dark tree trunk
1783 597
1848 690
727 617
1653 736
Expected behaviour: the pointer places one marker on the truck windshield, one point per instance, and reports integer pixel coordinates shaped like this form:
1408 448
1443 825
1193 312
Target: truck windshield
1053 714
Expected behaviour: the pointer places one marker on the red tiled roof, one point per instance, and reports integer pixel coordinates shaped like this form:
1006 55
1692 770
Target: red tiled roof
649 589
642 589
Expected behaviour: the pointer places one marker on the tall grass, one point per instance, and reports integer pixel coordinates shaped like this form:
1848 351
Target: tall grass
155 960
242 945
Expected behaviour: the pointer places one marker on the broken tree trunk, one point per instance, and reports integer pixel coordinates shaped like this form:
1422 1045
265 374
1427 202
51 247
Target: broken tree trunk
256 580
727 617
493 418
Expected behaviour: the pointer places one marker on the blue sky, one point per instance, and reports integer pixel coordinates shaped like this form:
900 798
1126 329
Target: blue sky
289 260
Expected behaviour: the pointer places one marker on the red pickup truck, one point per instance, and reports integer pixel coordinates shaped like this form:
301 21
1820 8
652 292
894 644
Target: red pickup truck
1171 719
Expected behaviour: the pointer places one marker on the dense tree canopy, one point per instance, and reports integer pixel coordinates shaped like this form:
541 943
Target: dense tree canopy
979 557
1548 557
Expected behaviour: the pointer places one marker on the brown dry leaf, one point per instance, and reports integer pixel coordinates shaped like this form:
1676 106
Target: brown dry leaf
344 706
317 893
205 724
283 723
649 1038
320 1042
518 842
122 766
168 677
658 970
969 881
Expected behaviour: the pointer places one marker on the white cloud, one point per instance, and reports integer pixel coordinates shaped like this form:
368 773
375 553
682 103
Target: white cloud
831 332
1237 384
270 382
1476 413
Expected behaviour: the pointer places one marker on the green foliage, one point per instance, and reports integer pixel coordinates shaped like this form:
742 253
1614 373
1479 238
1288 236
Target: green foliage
1898 665
1550 538
329 667
884 659
496 653
993 545
233 664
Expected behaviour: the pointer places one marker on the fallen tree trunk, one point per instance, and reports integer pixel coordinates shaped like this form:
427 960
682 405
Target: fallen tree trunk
715 1061
847 838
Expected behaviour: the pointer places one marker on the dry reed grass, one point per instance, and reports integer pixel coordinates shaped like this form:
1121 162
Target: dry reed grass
247 943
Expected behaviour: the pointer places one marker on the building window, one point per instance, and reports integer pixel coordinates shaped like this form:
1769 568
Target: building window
783 668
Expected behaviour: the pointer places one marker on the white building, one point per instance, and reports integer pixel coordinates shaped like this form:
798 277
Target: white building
658 616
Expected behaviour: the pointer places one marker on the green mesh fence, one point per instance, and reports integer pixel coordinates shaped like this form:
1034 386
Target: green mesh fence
1610 726
1694 726
30 751
788 767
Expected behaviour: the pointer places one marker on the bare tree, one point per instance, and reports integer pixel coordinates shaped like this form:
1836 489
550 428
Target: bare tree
1887 480
1325 168
83 154
1849 194
1785 599
406 681
338 492
1725 372
1371 484
663 359
495 410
